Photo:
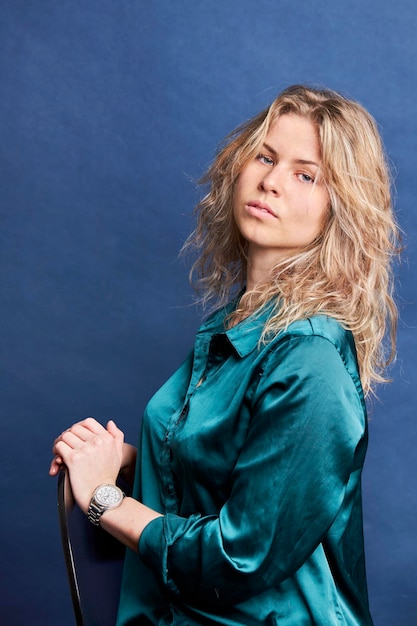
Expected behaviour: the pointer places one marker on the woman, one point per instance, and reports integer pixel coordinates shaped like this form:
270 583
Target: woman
247 496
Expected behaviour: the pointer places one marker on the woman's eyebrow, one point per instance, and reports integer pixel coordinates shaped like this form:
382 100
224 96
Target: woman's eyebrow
270 149
306 162
298 161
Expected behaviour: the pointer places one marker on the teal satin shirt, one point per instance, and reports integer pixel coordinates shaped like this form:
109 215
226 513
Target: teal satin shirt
253 453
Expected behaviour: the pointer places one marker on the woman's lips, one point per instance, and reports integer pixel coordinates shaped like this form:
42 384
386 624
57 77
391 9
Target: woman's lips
256 207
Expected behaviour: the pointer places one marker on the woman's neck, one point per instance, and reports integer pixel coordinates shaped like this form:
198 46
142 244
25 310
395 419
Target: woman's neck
259 265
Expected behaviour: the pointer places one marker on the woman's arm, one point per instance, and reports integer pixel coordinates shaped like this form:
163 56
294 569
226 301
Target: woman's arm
95 455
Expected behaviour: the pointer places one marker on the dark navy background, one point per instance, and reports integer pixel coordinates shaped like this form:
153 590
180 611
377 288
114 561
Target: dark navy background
109 110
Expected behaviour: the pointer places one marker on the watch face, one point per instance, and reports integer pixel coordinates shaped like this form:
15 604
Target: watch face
108 495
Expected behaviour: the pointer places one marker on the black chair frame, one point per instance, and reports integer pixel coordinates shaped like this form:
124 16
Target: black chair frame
93 560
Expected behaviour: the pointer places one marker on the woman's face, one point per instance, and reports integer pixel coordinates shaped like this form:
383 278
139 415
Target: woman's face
280 201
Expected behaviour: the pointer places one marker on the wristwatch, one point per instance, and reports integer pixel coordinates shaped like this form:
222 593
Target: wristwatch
105 497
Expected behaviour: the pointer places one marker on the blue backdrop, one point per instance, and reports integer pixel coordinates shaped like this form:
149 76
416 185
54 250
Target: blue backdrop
109 110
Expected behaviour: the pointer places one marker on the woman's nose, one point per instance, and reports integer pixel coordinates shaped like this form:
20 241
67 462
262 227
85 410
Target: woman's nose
271 182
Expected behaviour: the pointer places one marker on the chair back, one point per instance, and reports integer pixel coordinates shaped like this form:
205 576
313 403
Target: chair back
94 562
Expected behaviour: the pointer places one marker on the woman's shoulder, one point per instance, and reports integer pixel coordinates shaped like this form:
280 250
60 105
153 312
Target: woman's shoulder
316 341
321 326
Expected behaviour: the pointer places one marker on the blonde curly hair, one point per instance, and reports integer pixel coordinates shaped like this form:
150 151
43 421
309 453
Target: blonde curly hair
346 272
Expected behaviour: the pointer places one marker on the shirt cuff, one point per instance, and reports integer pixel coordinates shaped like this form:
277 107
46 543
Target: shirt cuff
154 543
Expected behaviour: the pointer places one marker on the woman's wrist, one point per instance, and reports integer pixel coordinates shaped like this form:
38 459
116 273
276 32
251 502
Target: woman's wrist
127 521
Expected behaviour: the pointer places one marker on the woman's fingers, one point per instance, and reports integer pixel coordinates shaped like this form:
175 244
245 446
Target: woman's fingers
115 431
73 440
84 430
87 437
56 465
92 425
118 437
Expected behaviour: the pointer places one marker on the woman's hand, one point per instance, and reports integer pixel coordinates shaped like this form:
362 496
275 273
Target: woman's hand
93 455
127 468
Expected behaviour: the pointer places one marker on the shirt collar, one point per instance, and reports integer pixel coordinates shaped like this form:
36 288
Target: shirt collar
245 336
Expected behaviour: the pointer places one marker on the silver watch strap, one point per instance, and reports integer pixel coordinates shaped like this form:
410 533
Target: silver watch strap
94 513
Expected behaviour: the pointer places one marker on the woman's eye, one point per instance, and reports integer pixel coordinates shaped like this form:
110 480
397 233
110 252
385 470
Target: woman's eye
263 158
306 178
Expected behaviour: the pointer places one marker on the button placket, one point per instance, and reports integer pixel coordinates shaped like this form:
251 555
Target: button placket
170 499
168 487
